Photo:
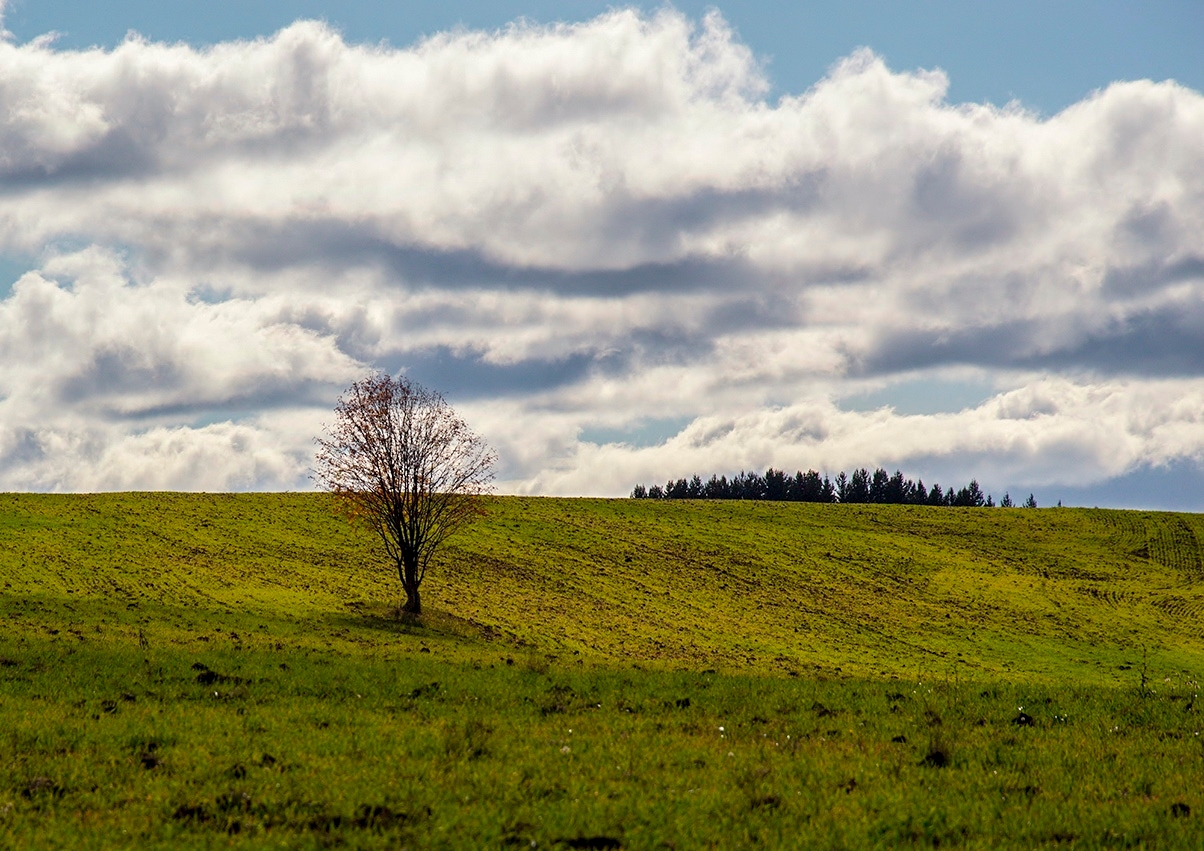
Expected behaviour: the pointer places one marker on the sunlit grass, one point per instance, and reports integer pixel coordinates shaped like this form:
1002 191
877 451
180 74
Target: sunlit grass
197 671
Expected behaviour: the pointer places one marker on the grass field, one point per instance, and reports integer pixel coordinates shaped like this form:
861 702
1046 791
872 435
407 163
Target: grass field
226 671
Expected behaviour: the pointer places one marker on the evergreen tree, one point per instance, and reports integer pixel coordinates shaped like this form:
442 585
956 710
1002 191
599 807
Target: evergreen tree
970 496
749 485
842 487
775 484
811 487
897 489
859 486
879 482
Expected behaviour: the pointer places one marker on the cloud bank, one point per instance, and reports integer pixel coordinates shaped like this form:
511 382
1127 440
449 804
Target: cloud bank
604 244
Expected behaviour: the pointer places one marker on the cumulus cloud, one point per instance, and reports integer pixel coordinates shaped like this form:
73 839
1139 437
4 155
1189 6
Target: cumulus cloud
577 230
108 383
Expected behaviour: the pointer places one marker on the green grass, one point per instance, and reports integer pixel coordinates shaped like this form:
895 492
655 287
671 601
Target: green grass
225 671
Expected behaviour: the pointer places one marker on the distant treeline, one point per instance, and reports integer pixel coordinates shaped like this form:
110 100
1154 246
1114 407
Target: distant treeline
861 487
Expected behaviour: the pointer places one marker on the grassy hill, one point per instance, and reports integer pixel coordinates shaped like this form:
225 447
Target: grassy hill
198 671
1057 595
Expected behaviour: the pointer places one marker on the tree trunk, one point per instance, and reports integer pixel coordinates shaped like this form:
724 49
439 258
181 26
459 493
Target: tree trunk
408 570
413 604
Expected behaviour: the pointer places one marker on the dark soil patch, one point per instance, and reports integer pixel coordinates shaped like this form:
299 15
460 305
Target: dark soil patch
936 758
40 787
428 690
191 813
149 759
766 802
207 677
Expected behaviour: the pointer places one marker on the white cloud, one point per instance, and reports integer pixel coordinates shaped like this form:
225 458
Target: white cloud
1048 431
580 227
82 333
109 383
86 456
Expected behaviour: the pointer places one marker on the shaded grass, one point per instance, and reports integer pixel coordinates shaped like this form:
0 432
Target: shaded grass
104 743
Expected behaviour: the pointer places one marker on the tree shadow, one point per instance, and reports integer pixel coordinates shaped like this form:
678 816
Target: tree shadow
431 623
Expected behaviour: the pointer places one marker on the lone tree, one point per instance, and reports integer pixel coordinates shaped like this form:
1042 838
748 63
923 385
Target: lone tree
400 459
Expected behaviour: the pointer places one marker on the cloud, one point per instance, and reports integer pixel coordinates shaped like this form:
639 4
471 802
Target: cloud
109 382
576 230
86 456
1050 431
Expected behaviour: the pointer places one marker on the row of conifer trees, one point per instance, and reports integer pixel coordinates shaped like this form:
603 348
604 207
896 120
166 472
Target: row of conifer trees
860 487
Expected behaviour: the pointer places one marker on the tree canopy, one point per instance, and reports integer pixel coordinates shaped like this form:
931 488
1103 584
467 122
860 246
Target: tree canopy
400 459
862 486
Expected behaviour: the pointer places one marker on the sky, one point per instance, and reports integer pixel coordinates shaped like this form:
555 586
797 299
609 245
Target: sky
628 243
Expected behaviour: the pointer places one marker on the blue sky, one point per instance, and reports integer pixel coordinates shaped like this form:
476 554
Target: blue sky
959 239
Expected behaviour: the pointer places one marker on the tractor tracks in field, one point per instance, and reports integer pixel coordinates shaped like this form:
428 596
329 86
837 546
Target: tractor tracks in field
1157 540
1173 544
1189 609
1165 540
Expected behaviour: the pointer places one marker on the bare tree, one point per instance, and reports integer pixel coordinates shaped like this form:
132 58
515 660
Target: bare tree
400 459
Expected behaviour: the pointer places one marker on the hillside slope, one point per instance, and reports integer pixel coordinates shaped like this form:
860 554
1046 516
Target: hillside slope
1056 595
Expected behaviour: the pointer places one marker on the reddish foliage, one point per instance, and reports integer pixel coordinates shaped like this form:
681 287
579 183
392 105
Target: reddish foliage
400 459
